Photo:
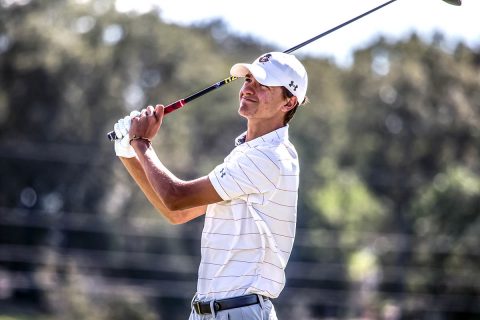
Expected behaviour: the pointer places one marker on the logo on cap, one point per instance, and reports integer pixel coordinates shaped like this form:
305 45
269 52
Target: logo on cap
265 58
293 85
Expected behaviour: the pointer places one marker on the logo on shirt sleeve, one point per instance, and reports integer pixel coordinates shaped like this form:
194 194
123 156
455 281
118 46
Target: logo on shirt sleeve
222 173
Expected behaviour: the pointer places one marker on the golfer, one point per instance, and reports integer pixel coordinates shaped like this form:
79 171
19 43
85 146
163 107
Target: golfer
249 200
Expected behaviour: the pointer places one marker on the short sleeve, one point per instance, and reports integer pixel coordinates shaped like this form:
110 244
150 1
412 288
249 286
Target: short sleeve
244 173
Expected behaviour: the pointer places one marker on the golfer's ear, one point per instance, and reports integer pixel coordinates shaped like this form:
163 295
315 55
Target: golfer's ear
290 104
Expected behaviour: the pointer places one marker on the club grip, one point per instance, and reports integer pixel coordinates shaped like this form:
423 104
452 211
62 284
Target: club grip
174 106
170 108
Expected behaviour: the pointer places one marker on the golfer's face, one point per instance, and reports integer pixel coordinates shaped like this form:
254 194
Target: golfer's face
258 101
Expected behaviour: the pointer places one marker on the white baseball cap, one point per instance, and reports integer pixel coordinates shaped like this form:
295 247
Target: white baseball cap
276 69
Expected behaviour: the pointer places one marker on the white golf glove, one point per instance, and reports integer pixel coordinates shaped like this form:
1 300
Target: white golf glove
122 144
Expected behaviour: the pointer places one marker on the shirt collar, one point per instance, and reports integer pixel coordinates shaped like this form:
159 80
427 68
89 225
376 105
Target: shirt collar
279 135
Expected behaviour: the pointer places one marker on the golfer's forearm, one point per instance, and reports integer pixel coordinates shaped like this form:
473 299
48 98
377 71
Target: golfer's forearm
135 169
164 183
175 194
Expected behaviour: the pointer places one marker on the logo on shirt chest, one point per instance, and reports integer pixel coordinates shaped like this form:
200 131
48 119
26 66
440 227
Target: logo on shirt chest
222 173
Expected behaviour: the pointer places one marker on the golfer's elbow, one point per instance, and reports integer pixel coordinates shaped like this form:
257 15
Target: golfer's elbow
174 218
179 217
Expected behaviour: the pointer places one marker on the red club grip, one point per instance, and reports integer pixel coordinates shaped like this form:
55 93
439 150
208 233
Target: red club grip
174 106
171 107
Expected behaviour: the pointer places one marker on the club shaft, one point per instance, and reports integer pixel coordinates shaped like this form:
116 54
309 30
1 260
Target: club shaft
180 103
301 45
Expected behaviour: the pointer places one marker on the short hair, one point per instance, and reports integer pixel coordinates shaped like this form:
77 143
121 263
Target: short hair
287 95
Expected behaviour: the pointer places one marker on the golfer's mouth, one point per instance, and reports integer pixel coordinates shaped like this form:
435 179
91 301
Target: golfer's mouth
248 98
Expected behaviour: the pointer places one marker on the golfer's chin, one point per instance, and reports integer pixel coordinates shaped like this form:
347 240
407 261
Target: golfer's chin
245 110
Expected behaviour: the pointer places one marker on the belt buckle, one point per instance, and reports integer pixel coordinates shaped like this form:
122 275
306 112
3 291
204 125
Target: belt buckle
196 307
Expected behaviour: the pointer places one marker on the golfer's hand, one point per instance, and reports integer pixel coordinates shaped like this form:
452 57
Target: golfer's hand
121 128
147 124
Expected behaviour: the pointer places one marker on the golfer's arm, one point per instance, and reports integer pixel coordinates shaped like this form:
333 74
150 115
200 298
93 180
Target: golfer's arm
135 169
174 193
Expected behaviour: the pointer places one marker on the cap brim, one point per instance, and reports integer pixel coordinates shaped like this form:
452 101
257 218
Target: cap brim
242 69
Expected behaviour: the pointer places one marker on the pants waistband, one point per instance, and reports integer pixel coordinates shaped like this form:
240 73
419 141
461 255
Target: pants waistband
214 306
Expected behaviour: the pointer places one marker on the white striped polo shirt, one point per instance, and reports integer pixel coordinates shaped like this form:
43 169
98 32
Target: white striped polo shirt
248 237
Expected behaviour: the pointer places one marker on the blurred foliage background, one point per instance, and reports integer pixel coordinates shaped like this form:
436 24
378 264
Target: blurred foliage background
388 223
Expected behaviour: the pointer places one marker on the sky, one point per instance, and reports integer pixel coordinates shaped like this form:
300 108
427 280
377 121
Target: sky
287 23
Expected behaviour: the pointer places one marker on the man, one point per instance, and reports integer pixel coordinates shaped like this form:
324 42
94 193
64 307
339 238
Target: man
250 200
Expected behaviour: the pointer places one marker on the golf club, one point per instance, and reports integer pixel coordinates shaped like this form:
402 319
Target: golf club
180 103
454 2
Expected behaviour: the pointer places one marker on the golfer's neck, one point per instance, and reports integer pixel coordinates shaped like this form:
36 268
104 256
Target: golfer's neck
257 128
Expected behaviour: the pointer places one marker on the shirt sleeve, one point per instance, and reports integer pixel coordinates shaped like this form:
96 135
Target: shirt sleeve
249 174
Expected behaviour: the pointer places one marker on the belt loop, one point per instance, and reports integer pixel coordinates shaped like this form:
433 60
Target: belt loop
212 308
193 299
260 299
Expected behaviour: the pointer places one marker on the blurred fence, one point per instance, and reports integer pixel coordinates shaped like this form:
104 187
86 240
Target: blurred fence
130 267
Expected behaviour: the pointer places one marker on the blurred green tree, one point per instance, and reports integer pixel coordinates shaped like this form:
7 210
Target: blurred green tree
389 150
